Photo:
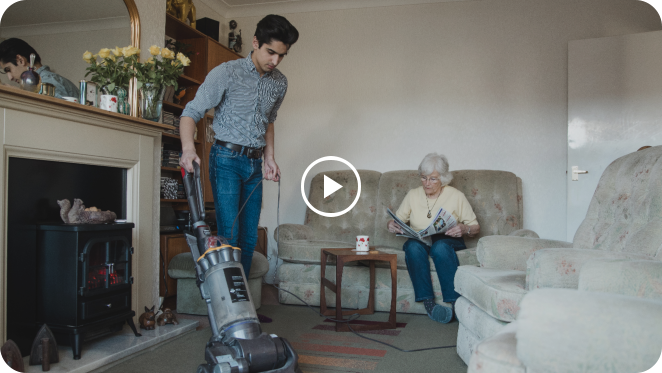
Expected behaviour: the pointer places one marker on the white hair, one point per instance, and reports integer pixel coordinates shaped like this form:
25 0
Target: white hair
436 162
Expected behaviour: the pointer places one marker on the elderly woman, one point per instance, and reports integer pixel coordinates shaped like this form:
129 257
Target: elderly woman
419 207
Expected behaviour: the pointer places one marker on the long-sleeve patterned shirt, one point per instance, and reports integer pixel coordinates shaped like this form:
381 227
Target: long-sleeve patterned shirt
244 102
63 86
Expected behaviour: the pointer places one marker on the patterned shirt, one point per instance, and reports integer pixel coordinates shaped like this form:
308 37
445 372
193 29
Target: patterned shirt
245 102
63 86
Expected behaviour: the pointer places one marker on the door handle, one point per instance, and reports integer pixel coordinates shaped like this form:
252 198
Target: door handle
575 173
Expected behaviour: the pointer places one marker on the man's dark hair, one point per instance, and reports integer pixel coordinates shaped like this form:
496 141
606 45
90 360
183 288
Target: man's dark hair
273 27
11 47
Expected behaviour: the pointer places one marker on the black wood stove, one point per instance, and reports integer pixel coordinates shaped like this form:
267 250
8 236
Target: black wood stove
83 281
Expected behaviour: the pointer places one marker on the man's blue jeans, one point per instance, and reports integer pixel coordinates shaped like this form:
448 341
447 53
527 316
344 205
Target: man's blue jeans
445 262
233 177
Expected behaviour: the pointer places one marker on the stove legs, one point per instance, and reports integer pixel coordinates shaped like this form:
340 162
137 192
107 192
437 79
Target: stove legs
75 340
133 327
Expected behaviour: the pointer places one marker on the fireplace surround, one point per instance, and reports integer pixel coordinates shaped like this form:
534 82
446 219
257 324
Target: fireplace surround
44 128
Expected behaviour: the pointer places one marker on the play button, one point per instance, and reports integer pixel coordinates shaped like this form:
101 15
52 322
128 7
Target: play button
330 187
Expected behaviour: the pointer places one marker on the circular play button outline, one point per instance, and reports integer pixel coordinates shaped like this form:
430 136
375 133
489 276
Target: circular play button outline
303 182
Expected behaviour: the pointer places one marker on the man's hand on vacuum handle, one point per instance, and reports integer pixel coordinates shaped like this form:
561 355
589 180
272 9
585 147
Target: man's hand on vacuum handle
186 132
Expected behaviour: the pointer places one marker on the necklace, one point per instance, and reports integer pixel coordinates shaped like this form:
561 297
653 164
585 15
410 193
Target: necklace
435 202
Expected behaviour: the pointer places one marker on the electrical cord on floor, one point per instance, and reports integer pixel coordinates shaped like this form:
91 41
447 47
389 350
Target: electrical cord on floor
352 317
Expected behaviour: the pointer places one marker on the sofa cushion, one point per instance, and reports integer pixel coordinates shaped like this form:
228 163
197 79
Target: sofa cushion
625 213
637 278
466 257
495 197
497 354
497 292
307 251
182 266
360 220
478 321
573 331
560 267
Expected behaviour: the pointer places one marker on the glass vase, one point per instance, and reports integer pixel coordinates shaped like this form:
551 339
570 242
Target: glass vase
151 101
123 106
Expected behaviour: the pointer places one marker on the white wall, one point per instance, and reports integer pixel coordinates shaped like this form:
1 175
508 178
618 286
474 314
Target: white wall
484 82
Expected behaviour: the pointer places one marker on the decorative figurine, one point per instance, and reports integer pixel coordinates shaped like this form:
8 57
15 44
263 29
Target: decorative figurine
234 38
78 214
147 319
123 106
30 80
182 9
167 317
44 349
11 354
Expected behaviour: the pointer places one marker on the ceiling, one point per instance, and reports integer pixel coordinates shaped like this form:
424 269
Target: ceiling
31 12
248 8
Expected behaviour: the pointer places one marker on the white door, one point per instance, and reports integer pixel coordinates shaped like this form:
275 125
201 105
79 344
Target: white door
614 108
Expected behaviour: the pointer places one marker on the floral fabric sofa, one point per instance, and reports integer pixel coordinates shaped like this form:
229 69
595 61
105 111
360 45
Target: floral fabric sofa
496 198
622 223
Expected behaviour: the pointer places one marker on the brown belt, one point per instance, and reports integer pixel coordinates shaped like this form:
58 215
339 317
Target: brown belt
253 153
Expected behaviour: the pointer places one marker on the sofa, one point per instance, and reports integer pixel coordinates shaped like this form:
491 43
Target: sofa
622 223
611 323
496 198
189 300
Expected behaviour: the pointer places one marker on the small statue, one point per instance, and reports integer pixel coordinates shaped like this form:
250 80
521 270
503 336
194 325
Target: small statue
182 9
167 317
123 106
78 214
147 319
234 38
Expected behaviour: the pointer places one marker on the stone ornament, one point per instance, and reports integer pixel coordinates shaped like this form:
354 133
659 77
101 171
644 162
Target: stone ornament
78 214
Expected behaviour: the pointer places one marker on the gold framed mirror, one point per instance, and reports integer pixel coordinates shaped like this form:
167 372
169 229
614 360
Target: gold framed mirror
61 31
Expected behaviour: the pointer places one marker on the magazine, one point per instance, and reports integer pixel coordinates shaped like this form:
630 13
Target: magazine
442 222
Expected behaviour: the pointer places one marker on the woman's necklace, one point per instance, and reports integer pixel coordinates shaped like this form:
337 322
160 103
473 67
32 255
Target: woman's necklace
435 202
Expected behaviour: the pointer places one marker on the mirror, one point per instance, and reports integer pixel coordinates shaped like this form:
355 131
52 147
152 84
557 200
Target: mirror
61 31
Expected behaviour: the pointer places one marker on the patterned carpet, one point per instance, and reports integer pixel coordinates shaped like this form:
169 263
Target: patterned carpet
320 348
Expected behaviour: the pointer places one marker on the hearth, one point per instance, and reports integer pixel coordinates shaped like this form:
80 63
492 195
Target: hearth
82 281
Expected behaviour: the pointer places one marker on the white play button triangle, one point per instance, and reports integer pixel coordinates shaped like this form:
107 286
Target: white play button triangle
330 186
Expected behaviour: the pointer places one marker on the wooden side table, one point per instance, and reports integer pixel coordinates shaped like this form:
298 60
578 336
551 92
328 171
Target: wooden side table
348 255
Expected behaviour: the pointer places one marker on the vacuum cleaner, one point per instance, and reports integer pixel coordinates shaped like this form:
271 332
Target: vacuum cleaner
237 344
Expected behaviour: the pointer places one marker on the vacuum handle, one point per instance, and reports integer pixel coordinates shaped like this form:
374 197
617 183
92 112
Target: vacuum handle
193 187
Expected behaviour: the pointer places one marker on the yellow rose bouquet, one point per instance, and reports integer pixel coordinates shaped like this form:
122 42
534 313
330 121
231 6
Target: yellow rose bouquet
112 68
154 75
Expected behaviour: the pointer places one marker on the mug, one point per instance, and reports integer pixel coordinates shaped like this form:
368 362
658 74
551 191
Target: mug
108 102
362 243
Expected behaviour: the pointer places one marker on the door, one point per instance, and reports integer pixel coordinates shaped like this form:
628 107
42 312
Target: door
614 108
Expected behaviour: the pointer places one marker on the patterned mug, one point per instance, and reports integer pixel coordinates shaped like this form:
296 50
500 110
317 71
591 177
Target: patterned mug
362 243
108 102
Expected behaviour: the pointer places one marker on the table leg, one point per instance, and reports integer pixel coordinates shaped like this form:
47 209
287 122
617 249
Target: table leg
340 263
322 286
371 293
394 292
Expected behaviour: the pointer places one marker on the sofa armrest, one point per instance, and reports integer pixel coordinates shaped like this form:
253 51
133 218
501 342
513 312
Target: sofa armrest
294 232
511 252
637 278
524 233
558 331
560 267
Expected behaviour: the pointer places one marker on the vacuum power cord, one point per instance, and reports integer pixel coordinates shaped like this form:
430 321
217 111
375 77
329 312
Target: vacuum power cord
352 317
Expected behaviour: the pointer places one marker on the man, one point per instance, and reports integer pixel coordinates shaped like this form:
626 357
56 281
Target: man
246 95
15 59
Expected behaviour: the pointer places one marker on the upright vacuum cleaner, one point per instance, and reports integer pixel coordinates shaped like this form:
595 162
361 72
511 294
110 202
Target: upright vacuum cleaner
237 344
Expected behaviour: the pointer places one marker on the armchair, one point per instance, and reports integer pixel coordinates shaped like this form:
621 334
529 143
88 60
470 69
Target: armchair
623 222
612 323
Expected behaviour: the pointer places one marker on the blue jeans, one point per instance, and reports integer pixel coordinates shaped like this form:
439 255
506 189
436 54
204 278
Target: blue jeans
233 177
445 262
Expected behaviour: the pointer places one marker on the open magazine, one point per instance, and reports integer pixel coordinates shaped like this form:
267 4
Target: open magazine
442 222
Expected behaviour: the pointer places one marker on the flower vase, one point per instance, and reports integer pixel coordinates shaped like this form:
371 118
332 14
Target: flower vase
123 106
151 101
108 100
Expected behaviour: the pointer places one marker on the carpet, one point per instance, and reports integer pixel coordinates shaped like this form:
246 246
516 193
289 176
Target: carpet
322 349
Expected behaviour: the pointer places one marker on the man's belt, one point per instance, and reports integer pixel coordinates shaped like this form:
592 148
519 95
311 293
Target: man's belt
253 153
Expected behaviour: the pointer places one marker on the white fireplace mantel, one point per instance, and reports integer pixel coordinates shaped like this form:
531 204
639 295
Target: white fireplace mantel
45 128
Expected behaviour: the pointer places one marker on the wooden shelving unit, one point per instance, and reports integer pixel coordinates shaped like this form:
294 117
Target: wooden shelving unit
207 54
